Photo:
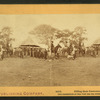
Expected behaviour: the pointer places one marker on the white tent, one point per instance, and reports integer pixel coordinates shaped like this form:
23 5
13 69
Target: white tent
97 41
56 41
43 46
29 42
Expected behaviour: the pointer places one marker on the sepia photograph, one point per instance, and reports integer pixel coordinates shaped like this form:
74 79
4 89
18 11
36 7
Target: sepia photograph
50 50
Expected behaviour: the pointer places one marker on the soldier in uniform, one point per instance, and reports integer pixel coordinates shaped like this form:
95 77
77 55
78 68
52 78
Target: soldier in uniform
45 54
52 47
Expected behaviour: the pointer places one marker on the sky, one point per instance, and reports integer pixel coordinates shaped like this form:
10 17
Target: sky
21 25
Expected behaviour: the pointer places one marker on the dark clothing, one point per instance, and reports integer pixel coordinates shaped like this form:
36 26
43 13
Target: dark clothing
97 49
45 54
52 48
74 55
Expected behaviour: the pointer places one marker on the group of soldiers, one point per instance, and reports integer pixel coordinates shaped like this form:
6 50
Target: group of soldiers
36 52
93 51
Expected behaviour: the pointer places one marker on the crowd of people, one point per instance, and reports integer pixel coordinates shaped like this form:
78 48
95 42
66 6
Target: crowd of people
72 51
36 52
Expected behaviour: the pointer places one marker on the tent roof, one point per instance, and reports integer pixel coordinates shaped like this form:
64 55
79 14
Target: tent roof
29 41
33 42
43 46
97 41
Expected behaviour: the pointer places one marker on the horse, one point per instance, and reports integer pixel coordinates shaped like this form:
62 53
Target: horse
55 51
67 50
82 50
64 50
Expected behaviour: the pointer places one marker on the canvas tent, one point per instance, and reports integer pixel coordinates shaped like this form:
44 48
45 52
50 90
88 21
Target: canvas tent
29 42
97 42
43 46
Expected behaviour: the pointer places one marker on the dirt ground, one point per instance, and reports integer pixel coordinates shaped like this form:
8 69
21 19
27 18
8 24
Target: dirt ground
84 71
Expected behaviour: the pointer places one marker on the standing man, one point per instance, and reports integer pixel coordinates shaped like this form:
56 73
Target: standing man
97 49
58 52
74 52
52 47
45 54
1 53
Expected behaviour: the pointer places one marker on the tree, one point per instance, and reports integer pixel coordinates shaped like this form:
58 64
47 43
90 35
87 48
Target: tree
43 32
5 37
75 37
78 35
